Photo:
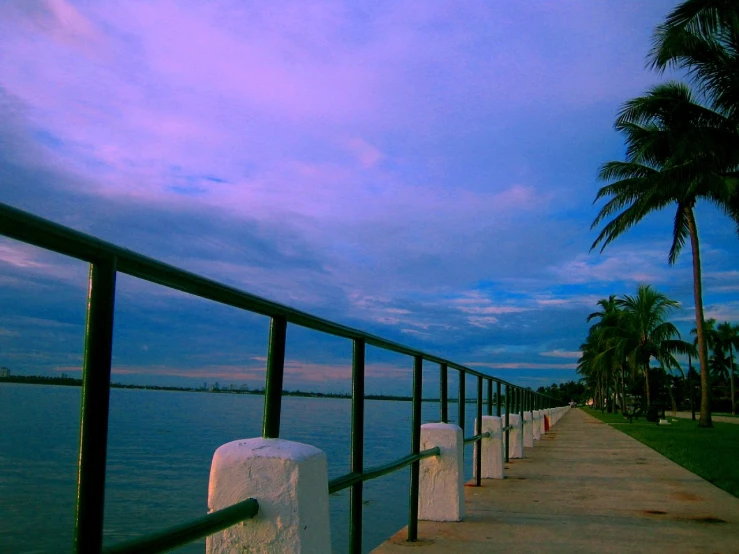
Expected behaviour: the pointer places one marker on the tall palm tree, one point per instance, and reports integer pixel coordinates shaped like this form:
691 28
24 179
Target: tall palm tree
676 150
644 317
727 336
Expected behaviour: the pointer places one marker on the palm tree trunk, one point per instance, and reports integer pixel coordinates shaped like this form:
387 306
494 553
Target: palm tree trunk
646 382
731 380
705 417
623 390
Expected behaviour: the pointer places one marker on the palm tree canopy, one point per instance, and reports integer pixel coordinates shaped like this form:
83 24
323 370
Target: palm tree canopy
709 330
702 37
644 315
727 335
677 152
719 365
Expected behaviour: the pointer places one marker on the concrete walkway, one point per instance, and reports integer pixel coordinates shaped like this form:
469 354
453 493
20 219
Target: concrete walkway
688 415
586 487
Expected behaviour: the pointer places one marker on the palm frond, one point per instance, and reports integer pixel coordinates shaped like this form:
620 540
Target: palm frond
680 232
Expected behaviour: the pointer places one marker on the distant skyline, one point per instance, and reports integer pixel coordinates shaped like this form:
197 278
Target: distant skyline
424 171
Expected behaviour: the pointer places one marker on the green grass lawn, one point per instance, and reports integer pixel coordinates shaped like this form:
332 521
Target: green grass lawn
711 453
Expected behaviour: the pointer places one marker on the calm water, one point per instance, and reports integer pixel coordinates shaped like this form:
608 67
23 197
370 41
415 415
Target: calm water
159 454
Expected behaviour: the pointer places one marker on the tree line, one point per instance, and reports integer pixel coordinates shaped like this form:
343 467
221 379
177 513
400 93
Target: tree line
682 146
630 334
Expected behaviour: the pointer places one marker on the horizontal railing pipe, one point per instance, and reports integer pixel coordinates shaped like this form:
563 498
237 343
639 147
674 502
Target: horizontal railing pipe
179 535
340 483
476 438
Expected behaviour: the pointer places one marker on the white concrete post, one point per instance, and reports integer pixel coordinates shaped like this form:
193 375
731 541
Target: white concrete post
528 430
537 425
290 482
515 447
493 449
441 483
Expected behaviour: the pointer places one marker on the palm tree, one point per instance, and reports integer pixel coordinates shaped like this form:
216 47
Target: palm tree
702 38
727 336
597 366
608 338
676 150
644 317
709 331
590 369
719 364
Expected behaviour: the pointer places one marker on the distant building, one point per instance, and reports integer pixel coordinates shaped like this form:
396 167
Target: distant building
4 372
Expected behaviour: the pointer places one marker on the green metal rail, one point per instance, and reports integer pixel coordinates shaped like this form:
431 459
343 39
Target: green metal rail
107 260
185 533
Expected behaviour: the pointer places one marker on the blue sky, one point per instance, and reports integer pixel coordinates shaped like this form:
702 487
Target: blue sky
421 170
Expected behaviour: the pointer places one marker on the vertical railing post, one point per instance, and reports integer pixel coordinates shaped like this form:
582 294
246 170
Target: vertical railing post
490 397
462 401
415 447
275 374
357 446
507 422
88 532
521 407
497 399
478 431
443 393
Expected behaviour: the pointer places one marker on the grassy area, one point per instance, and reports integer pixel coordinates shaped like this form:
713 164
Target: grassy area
711 453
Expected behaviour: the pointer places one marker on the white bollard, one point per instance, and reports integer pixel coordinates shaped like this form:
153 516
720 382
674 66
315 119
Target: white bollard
528 430
441 483
537 425
290 482
515 447
493 449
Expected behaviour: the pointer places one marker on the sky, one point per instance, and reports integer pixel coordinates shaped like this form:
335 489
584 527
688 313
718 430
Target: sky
424 171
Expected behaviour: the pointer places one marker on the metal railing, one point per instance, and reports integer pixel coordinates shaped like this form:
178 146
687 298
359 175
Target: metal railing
107 260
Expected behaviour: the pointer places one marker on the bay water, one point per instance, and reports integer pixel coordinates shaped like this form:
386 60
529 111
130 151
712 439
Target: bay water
159 452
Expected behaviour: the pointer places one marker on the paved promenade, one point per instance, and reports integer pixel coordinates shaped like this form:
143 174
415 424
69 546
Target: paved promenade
586 487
